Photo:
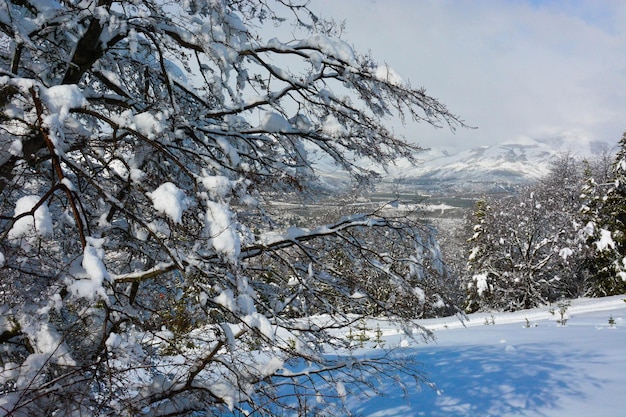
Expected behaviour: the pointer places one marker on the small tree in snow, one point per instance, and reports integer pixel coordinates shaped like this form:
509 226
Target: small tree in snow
143 144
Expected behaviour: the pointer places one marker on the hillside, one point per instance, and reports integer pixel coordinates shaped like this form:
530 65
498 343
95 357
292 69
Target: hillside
497 168
489 168
510 364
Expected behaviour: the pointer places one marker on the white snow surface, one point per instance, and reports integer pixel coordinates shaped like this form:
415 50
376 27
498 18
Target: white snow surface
525 364
519 364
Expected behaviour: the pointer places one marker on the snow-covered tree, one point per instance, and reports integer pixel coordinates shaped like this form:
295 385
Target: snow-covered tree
142 144
603 226
522 249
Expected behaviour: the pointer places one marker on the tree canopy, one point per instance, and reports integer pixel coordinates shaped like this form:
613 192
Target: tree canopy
562 237
142 146
522 247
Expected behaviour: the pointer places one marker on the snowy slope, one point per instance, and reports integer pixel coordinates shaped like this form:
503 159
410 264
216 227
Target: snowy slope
489 167
489 365
484 168
508 369
512 162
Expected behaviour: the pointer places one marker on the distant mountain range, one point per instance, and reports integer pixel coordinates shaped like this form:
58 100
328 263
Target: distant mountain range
485 168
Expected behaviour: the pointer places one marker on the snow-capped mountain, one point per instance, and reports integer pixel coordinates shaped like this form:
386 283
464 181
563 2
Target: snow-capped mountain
489 168
479 169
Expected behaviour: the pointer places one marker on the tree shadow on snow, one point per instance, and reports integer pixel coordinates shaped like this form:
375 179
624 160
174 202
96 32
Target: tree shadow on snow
483 381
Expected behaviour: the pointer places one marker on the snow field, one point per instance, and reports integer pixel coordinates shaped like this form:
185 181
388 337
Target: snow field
509 369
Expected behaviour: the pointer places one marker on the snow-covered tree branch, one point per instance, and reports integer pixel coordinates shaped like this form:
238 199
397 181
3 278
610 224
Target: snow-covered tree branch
142 270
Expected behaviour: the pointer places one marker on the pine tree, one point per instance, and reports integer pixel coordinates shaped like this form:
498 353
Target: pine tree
477 287
604 228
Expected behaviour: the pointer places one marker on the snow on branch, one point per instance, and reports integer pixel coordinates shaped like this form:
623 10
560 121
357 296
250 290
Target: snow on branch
296 235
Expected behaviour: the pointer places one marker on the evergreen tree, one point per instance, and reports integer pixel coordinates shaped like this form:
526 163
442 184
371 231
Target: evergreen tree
479 286
604 228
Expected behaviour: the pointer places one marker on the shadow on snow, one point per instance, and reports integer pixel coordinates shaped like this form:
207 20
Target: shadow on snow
481 381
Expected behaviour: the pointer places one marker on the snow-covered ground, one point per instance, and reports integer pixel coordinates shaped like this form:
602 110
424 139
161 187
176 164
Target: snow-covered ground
503 365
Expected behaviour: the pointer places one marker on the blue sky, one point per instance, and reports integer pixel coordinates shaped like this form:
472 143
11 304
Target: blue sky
515 69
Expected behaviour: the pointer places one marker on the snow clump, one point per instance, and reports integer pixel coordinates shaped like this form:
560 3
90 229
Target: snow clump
16 148
93 274
61 98
275 123
147 124
169 200
39 222
333 127
480 281
222 230
334 47
606 241
565 253
218 186
389 75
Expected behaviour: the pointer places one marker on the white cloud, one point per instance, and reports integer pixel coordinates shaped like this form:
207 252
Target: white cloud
513 69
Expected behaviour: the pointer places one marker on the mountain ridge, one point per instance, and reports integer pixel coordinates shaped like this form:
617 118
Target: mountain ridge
487 168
